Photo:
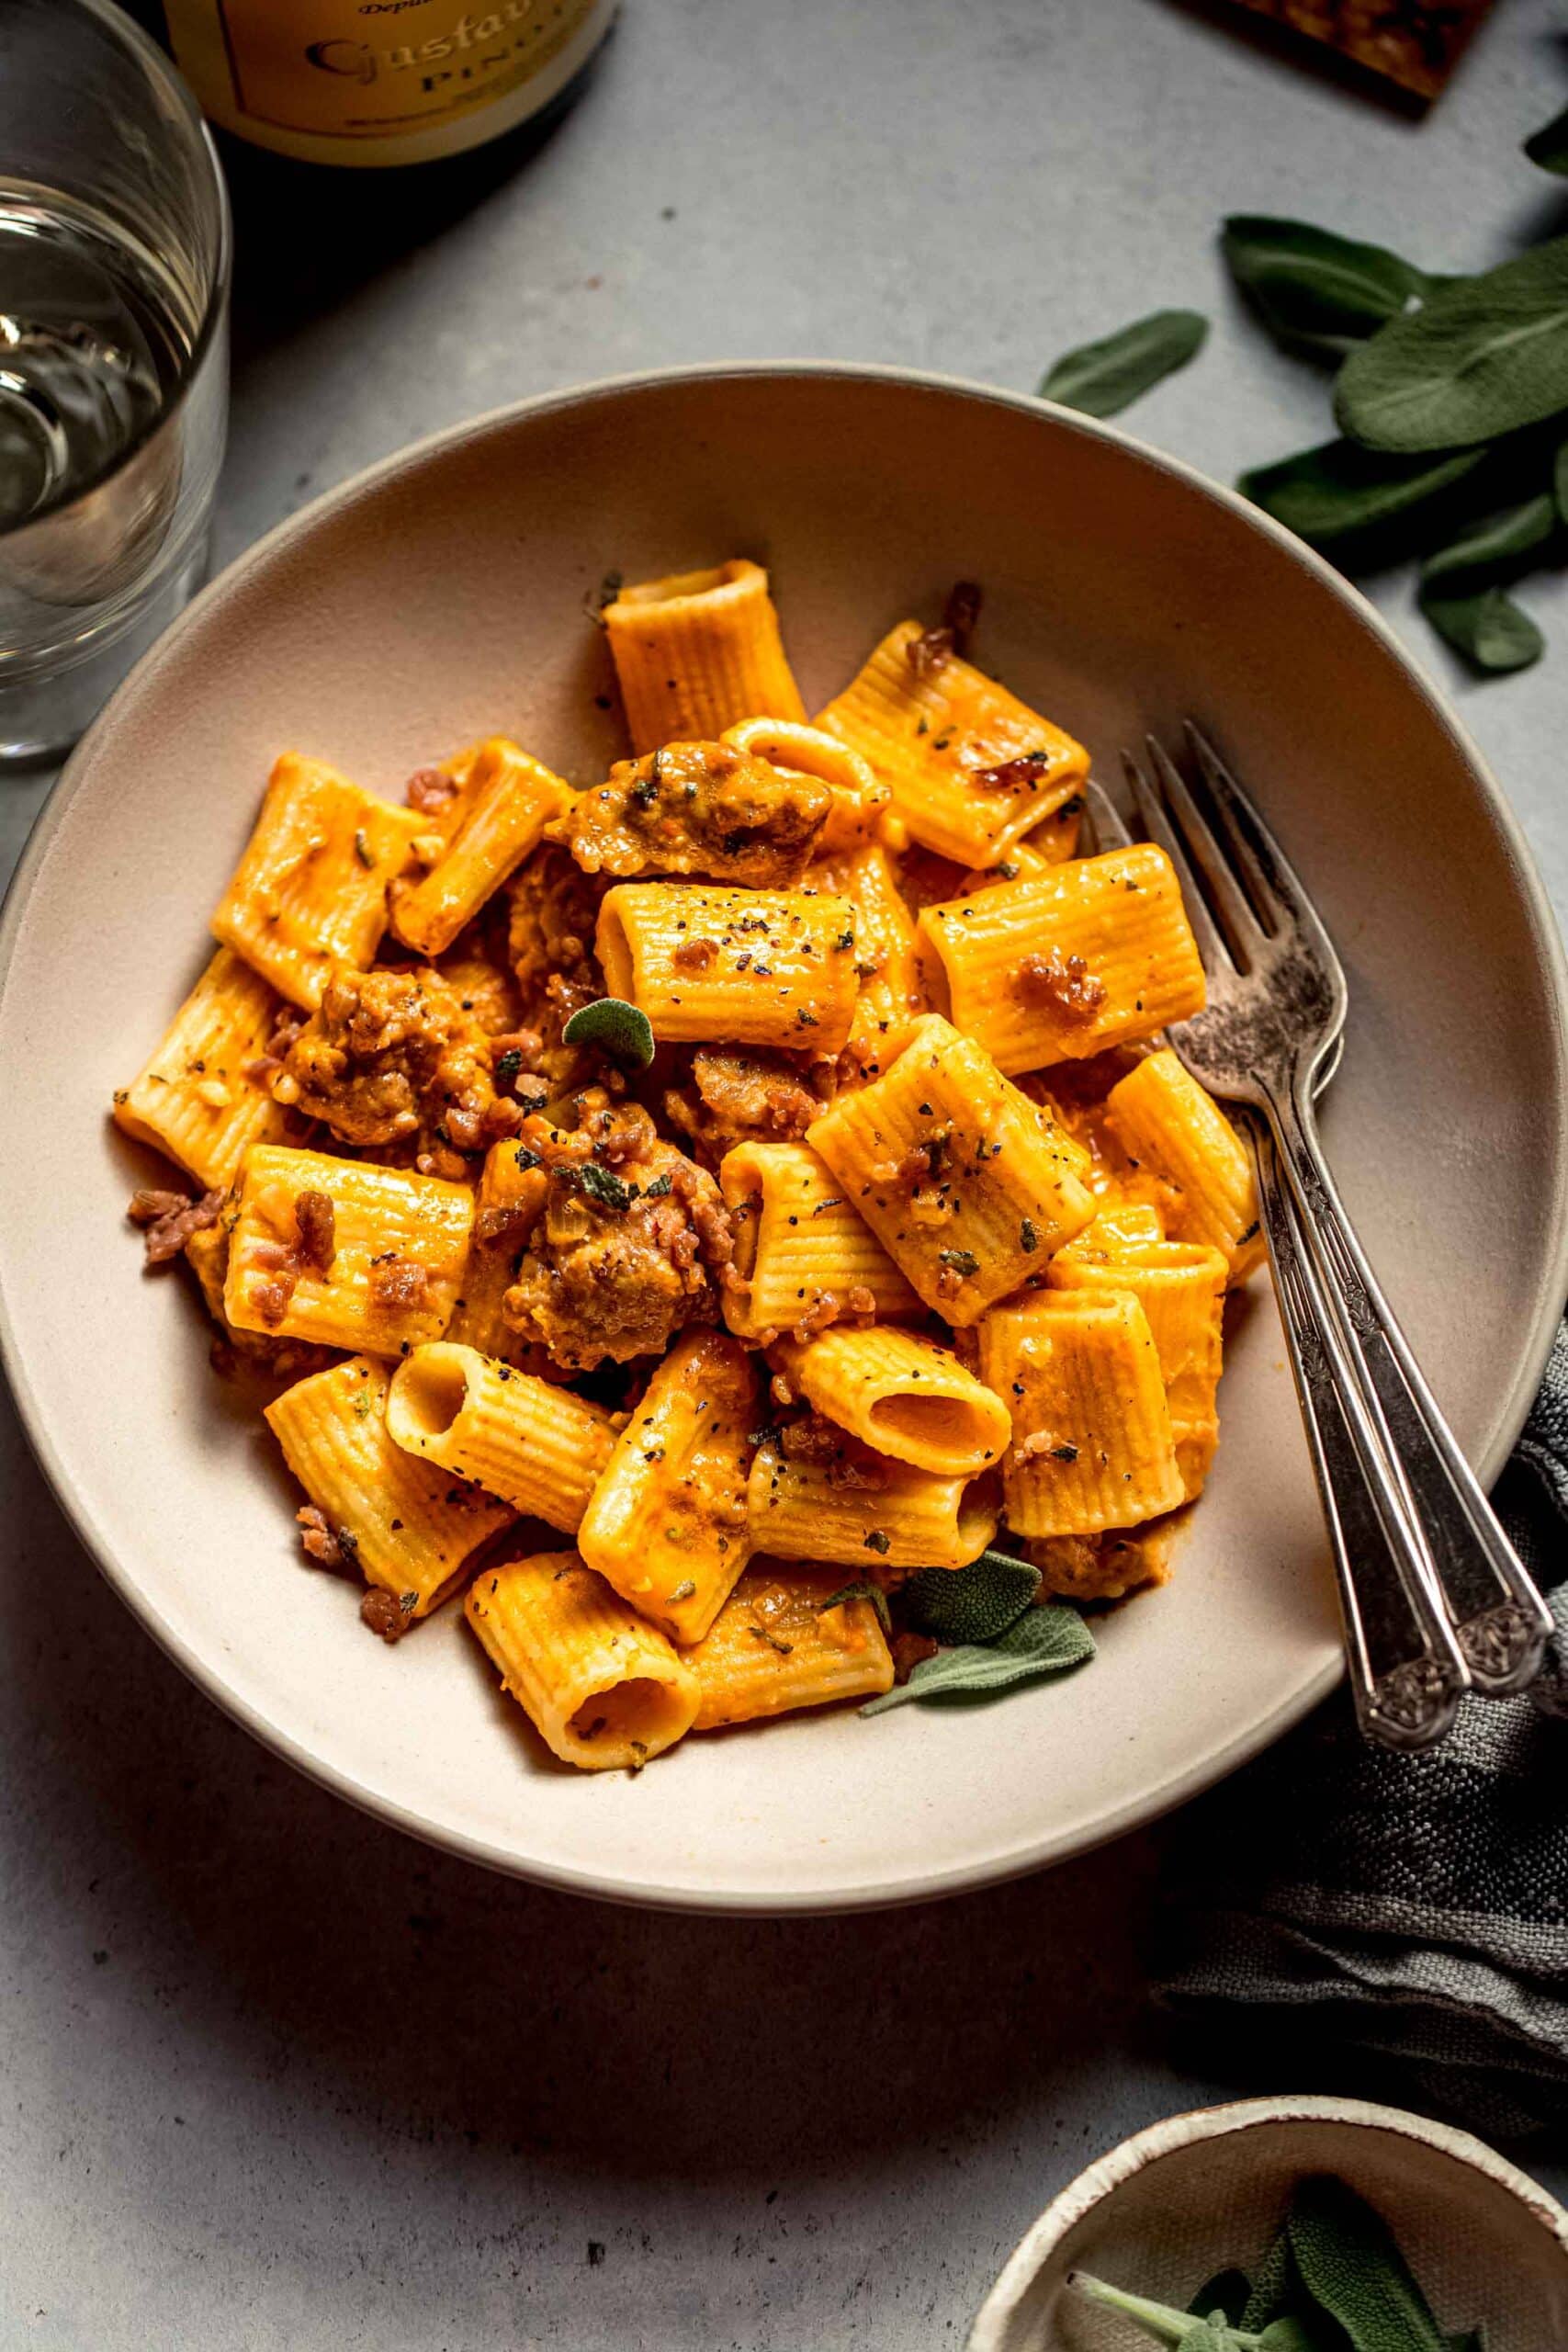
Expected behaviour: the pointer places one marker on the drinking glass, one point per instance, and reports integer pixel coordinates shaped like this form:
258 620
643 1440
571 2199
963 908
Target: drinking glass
114 289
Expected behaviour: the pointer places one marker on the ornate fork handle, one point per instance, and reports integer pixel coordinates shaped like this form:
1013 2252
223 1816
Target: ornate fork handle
1406 1672
1500 1619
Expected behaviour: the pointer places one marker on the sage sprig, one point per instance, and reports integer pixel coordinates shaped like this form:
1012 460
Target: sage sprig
1043 1641
1481 357
1102 378
620 1031
1333 2280
973 1605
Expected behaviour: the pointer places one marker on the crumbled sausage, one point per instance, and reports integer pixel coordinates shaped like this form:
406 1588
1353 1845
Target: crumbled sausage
935 648
1061 984
170 1218
286 1027
317 1220
394 1283
554 910
1025 774
331 1547
384 1614
738 1096
393 1058
910 1650
694 954
703 809
430 790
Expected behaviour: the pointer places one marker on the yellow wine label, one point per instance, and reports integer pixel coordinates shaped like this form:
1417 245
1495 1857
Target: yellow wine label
363 69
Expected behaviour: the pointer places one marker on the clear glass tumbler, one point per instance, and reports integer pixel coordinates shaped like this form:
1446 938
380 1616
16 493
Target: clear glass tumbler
114 372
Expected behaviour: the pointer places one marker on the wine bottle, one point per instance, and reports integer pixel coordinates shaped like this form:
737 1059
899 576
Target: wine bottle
376 82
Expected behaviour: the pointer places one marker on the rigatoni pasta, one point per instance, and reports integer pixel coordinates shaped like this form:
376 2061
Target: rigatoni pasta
603 1690
538 1446
666 1522
646 1148
752 968
697 651
1095 954
803 1255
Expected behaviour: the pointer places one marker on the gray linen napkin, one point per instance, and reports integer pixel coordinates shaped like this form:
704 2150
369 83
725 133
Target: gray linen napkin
1415 1906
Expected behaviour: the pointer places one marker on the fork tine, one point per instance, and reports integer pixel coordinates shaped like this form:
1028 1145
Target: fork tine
1216 955
1275 880
1237 920
1109 827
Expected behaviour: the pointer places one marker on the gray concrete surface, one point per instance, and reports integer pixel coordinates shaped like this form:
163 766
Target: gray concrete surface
273 2076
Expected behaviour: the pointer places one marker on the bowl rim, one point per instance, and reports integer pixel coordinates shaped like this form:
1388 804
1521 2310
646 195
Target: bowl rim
1120 2165
1508 1414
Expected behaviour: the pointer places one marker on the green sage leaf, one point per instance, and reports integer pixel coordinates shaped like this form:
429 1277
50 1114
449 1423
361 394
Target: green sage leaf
1325 494
1316 291
1102 378
1349 2261
1227 2292
613 1028
972 1604
1499 545
1487 627
1548 145
1318 2333
1043 1641
861 1590
1276 2291
1482 356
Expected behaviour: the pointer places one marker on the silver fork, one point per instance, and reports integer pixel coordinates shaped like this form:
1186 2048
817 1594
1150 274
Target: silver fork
1436 1596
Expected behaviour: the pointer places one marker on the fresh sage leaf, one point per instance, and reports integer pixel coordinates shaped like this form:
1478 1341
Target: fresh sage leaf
1548 145
972 1604
1487 626
861 1590
1350 2262
1043 1641
613 1028
1203 2336
1276 2290
1315 2334
1316 291
1228 2291
1482 356
1102 378
1497 547
1326 493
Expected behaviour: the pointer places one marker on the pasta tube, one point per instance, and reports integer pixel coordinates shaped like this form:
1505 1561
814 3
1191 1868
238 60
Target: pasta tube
1092 1443
1161 1115
405 1525
1098 953
967 1185
666 1522
803 1254
971 768
603 1690
505 803
509 1199
775 1646
344 1252
901 1395
747 968
892 986
537 1446
310 890
697 651
195 1099
884 1515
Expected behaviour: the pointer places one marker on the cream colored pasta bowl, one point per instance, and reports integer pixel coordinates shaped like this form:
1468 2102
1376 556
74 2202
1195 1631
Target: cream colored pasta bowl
442 597
1198 2194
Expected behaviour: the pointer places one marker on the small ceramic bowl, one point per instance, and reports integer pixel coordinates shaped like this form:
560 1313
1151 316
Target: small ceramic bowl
1200 2193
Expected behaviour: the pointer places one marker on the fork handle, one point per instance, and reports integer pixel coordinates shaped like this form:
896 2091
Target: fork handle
1406 1672
1500 1619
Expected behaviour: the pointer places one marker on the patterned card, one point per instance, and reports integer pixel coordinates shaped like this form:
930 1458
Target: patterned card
1413 43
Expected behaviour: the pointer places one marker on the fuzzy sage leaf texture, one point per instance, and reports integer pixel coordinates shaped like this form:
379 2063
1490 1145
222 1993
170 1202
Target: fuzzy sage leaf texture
1350 2264
1102 378
613 1028
1044 1641
977 1603
1481 357
1487 626
1316 291
1462 585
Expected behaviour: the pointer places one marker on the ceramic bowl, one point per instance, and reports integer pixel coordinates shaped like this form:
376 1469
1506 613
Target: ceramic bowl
1196 2194
442 595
